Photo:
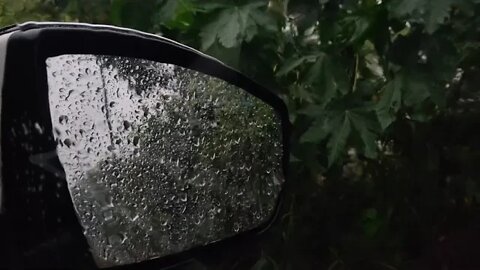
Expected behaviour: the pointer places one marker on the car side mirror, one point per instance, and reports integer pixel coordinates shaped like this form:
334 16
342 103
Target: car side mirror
150 148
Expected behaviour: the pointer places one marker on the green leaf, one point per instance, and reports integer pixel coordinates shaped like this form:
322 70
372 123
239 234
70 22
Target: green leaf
167 11
313 111
322 79
316 71
229 56
299 92
433 13
337 126
401 8
390 101
318 131
419 86
290 65
210 32
228 34
437 11
372 222
437 94
419 114
361 24
234 25
338 140
249 27
367 127
264 20
362 121
208 36
209 7
415 89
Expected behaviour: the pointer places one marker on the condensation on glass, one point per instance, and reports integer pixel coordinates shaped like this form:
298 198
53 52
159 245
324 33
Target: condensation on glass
159 158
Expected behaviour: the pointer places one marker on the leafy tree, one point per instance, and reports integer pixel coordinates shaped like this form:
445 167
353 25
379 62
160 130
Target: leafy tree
383 98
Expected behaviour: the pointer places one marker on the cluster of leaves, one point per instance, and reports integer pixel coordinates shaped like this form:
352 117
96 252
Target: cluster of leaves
374 64
380 172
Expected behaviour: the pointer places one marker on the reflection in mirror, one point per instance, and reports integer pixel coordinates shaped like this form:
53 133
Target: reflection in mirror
159 158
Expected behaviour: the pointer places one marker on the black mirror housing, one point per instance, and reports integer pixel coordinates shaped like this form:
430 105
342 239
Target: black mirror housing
38 216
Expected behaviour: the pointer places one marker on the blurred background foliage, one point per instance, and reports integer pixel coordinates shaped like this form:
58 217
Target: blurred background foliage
383 97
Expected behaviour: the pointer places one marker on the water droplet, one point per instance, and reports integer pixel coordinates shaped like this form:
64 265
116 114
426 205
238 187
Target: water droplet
38 128
136 140
236 227
108 215
68 142
63 119
115 239
134 218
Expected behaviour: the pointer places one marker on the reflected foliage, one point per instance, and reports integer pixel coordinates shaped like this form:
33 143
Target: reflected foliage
183 161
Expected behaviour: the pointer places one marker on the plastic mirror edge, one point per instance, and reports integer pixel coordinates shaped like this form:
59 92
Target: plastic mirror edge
33 32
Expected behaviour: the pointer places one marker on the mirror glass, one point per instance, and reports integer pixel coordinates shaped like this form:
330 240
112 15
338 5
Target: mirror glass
159 158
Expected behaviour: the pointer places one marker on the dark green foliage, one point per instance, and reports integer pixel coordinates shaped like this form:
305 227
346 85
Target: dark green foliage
383 97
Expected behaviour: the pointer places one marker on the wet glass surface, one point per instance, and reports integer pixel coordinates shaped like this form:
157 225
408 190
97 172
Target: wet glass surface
159 158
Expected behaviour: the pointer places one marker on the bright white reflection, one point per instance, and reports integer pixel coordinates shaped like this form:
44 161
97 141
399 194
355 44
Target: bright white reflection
159 158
